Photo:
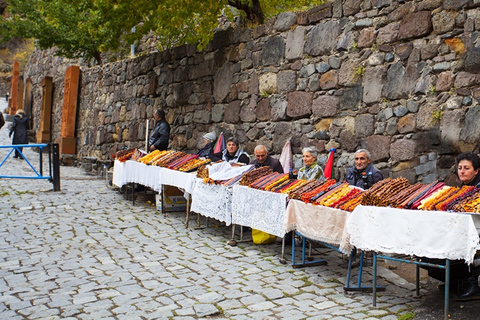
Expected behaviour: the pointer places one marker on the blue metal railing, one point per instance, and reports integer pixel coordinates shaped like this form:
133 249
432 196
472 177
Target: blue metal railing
53 163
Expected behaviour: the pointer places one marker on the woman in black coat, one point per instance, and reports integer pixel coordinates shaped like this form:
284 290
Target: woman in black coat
19 130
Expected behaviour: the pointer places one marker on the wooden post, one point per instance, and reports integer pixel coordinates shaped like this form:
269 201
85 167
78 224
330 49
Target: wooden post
43 135
14 88
68 141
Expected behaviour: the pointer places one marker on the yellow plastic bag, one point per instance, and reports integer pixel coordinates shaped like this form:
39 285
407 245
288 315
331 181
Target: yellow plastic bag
260 237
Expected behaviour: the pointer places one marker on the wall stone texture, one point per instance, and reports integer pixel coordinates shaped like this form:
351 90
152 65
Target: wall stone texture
398 79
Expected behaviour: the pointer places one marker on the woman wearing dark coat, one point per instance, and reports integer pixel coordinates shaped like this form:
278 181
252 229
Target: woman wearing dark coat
19 130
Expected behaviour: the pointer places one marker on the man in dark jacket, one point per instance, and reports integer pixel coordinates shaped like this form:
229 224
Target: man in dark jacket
161 133
363 174
19 130
262 158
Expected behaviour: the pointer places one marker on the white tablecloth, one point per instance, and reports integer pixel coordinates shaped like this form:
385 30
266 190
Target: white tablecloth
258 209
135 172
179 179
432 234
151 176
213 201
318 223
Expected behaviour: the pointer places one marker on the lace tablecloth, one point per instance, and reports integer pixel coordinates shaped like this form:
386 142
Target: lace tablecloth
318 223
137 172
432 234
258 209
213 201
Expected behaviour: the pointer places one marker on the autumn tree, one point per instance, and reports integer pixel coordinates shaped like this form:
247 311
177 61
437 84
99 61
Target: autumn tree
86 28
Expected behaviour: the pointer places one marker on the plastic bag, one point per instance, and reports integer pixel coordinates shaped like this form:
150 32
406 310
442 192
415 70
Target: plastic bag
260 237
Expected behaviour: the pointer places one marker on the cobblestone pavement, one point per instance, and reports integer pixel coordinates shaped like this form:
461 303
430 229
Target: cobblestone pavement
87 253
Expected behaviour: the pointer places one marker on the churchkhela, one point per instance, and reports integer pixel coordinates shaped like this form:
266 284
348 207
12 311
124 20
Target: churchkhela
389 192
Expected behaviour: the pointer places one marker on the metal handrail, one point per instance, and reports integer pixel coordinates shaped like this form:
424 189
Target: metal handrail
53 163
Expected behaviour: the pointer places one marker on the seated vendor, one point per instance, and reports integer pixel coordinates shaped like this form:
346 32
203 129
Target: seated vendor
232 153
262 158
311 169
468 165
209 144
363 174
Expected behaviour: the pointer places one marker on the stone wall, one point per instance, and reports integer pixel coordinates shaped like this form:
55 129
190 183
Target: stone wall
398 79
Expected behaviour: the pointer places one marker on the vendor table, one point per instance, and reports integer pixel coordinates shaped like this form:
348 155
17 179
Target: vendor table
136 172
431 234
212 201
151 176
318 223
327 226
258 209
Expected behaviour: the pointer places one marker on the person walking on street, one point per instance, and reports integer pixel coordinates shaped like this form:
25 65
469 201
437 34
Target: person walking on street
19 130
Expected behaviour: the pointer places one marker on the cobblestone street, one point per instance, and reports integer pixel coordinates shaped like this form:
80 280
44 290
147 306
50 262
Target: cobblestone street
87 253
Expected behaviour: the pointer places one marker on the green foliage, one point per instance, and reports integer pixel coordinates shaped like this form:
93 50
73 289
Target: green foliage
407 316
437 116
87 28
359 72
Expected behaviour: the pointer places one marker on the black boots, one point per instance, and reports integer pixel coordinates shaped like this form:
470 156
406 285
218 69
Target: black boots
471 290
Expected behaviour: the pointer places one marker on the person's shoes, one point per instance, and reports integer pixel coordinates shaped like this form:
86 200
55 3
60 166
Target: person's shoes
16 157
471 291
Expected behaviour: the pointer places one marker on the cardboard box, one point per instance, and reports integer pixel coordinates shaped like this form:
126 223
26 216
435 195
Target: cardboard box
174 200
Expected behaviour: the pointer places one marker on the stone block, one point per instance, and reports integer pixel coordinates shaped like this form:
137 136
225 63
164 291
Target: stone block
267 83
415 25
347 141
391 126
373 84
232 112
470 133
351 97
400 111
285 21
346 74
222 82
294 43
325 106
444 21
406 124
466 79
329 80
202 116
379 147
299 104
454 4
263 110
279 108
273 51
287 81
314 83
444 81
322 38
367 38
424 116
248 112
319 13
402 150
389 33
351 7
364 125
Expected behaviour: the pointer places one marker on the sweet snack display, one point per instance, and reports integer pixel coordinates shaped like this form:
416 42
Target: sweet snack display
202 172
124 155
389 192
253 175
